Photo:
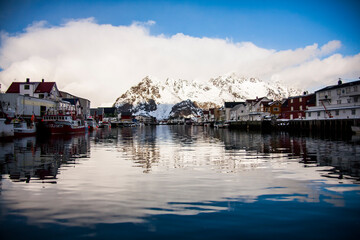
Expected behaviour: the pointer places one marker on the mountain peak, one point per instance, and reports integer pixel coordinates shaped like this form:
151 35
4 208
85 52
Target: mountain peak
208 94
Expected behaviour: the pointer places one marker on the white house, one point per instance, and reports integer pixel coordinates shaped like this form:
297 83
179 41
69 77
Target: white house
252 110
42 90
240 112
341 101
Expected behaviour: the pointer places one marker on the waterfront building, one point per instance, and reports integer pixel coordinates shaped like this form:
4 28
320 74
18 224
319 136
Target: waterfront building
41 90
83 102
240 112
15 105
256 108
252 109
75 102
275 108
341 101
29 98
228 106
206 116
295 107
125 117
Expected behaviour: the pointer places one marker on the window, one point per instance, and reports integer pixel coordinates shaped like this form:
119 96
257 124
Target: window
338 101
309 114
337 112
318 113
300 99
276 109
300 108
26 87
356 99
292 108
41 95
339 92
347 90
353 111
349 100
355 88
291 100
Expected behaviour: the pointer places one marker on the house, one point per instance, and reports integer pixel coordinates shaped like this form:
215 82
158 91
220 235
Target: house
74 104
227 107
16 105
147 120
341 101
258 108
206 116
295 107
125 117
84 103
240 112
42 90
275 108
38 98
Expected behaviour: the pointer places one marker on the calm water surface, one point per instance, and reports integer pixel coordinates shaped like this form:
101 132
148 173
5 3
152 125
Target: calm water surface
179 182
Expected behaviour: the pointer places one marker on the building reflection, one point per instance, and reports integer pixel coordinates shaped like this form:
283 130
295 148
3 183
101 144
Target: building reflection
311 152
31 159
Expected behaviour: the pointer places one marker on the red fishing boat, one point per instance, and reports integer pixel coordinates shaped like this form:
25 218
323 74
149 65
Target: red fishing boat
63 123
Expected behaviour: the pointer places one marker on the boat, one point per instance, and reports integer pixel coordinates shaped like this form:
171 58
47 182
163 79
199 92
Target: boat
6 128
221 124
355 129
105 123
22 128
92 125
64 124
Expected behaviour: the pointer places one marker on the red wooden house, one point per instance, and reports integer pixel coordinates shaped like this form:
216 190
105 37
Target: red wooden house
294 107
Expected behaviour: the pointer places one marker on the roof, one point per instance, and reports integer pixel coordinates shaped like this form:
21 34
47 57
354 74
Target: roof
71 100
340 86
310 95
238 106
15 86
44 87
232 104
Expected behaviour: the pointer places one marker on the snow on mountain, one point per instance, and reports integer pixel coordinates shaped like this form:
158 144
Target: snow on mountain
156 98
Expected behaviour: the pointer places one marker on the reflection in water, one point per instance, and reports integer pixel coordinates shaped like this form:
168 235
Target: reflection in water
26 159
131 174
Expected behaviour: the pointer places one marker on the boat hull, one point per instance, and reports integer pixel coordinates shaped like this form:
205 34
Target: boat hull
24 132
59 128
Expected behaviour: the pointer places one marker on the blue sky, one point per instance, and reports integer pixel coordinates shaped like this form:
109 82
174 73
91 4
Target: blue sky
84 44
273 24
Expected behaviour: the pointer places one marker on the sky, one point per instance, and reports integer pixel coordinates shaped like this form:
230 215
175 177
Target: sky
99 49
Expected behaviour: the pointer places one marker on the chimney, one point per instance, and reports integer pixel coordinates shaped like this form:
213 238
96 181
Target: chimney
42 80
339 82
27 80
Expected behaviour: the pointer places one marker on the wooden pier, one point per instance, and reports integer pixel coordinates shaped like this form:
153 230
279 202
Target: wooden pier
327 126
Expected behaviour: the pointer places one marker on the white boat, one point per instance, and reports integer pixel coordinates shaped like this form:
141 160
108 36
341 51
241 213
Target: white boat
92 125
105 123
6 128
355 129
22 128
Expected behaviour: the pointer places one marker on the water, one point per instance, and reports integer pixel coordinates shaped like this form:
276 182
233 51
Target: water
179 182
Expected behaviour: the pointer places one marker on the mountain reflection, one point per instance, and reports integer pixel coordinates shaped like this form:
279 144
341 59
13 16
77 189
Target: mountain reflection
126 174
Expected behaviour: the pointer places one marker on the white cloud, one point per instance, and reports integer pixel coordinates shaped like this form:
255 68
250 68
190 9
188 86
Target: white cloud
100 62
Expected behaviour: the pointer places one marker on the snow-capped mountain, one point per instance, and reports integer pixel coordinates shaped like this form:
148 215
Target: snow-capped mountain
156 98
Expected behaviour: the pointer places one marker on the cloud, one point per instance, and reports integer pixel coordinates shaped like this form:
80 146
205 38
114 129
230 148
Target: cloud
101 61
